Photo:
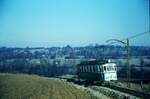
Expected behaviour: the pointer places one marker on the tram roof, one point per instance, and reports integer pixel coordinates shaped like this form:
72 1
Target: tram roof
94 62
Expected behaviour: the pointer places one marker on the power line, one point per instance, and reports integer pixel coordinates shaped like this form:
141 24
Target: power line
113 41
139 34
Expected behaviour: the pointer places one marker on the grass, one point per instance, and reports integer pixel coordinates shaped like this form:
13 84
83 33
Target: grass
20 86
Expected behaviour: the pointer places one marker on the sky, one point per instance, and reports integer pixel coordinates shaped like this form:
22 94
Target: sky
47 23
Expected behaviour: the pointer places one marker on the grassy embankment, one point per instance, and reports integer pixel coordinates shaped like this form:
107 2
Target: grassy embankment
19 86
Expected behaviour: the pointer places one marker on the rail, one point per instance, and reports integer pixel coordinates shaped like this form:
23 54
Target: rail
137 93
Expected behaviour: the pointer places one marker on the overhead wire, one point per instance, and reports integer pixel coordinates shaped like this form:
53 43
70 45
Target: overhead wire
139 34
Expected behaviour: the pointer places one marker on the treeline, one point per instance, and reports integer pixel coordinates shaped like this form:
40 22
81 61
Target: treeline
92 51
24 66
20 60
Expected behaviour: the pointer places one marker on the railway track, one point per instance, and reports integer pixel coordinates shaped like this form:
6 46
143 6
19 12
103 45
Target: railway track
140 94
134 80
137 93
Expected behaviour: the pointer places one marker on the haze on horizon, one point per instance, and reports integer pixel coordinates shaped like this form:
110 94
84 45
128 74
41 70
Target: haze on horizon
46 23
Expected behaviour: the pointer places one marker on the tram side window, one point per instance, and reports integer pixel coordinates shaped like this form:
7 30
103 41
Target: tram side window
83 69
94 68
101 69
86 69
98 68
104 68
89 68
80 69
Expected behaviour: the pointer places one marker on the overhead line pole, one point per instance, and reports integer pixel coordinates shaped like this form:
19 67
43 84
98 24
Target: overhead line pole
128 63
127 45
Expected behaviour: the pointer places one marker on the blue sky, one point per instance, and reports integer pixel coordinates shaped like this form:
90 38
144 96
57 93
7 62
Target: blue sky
75 22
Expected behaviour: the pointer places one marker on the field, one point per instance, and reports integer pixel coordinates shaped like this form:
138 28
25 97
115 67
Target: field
19 86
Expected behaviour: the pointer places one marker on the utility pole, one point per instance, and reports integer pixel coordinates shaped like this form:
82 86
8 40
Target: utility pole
142 73
126 42
127 46
128 63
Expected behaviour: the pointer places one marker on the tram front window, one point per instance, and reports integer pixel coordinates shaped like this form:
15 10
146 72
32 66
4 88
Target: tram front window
109 68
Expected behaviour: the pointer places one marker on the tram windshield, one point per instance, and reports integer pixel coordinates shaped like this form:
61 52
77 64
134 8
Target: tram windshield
110 67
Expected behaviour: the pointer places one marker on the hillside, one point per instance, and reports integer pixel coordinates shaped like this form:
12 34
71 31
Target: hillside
19 86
